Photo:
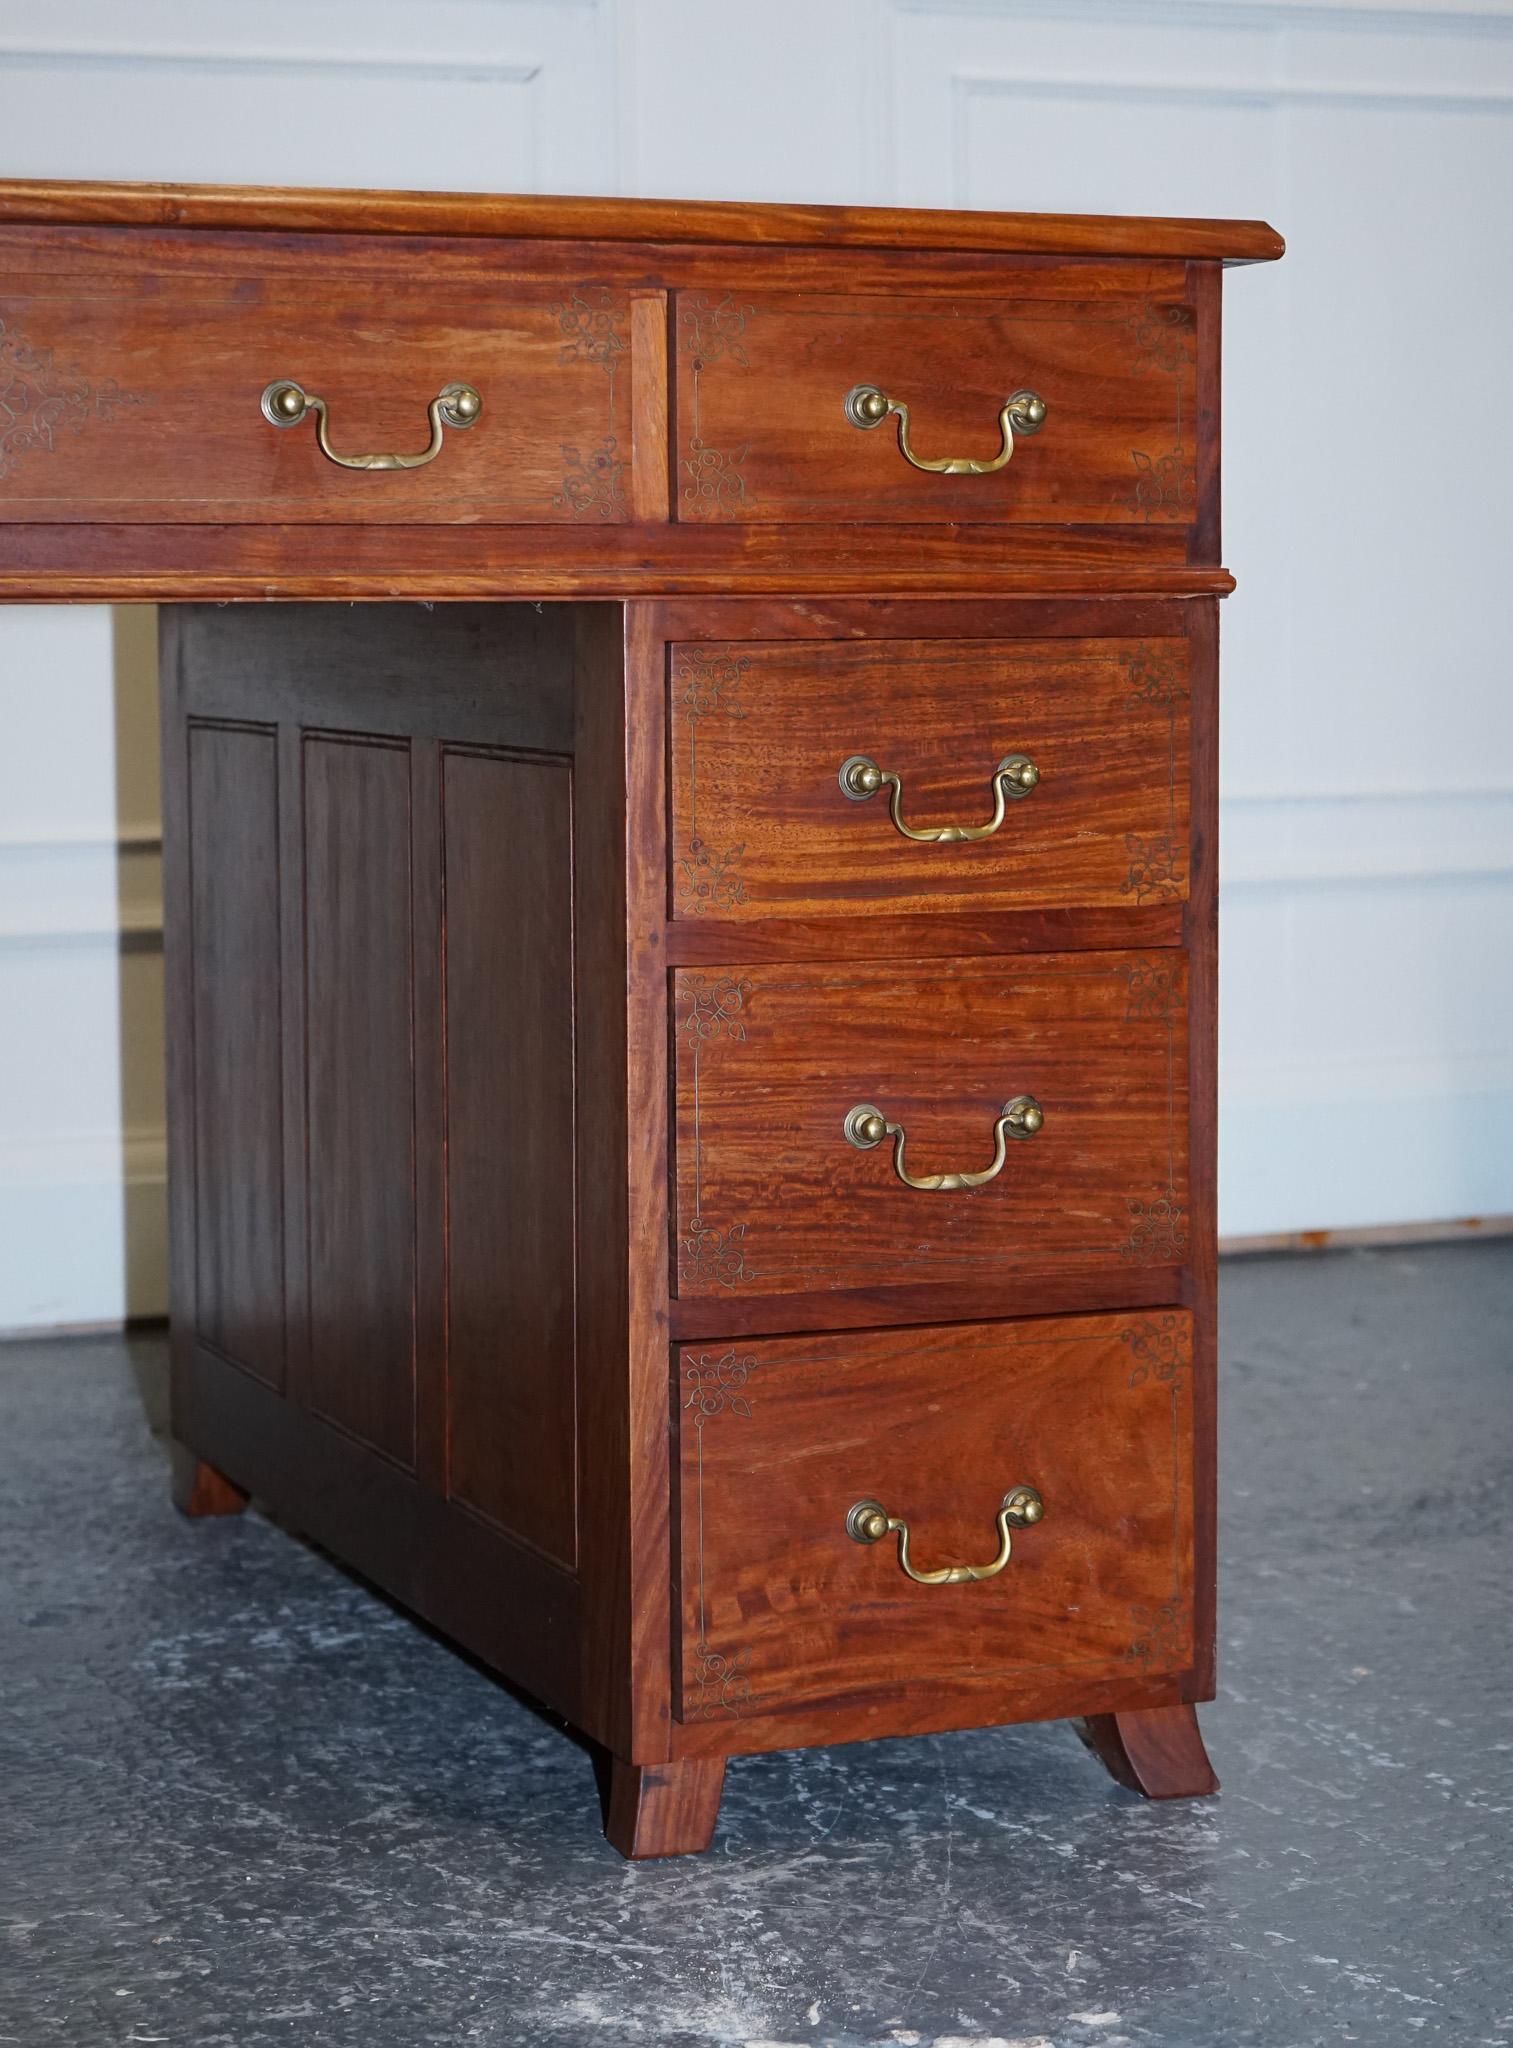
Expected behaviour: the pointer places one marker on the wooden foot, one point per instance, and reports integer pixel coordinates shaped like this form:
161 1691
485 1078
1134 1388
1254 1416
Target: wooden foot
198 1489
664 1809
1156 1751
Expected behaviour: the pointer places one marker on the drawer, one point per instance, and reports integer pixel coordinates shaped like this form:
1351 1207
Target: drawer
773 1196
780 1441
764 431
140 399
764 737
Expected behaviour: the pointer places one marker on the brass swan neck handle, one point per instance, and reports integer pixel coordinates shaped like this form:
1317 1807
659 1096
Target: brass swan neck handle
866 1126
1024 413
1014 777
869 1522
286 403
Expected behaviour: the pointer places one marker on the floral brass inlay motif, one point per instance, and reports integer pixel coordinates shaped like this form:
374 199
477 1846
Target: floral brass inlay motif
1152 987
1156 674
1158 1232
715 1009
706 1254
593 487
715 1387
1160 1631
593 484
709 331
39 402
1158 1350
706 683
1165 483
1157 867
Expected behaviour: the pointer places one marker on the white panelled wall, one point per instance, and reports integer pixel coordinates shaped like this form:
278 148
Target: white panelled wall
1367 1053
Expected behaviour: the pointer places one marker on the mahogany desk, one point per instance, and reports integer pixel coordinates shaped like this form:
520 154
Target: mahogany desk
690 990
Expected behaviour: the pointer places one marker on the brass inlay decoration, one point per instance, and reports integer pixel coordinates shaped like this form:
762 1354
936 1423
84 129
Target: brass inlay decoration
709 331
715 1009
1165 483
590 320
1157 870
866 1126
287 404
716 1386
1014 777
1023 413
869 1522
1160 1349
705 683
38 403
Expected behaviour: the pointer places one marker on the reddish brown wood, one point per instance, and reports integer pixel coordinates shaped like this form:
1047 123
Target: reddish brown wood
762 828
443 988
149 352
778 1440
664 1809
286 210
1156 1751
508 1011
648 369
771 1198
198 1489
763 433
160 564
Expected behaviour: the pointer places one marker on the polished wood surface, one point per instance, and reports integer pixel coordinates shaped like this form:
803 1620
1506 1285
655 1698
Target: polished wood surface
524 958
283 210
771 1196
167 369
1156 1751
778 1440
664 1809
198 1489
762 828
762 431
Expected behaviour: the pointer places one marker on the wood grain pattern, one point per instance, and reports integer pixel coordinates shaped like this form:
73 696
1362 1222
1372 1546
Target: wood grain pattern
771 1198
761 826
234 1045
507 1004
1157 1751
664 1809
171 426
763 433
290 209
360 1159
781 1608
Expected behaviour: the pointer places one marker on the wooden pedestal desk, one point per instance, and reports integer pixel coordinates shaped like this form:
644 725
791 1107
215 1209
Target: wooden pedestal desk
691 1061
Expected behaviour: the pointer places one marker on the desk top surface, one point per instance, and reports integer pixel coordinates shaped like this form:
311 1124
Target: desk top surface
273 209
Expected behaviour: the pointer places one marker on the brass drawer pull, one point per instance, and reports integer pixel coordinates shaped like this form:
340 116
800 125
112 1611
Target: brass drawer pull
866 1126
1024 413
869 1522
286 403
1014 777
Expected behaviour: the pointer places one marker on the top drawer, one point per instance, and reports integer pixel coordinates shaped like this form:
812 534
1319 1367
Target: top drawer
765 433
140 399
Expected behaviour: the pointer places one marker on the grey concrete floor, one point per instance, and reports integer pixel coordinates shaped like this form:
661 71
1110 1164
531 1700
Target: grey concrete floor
245 1802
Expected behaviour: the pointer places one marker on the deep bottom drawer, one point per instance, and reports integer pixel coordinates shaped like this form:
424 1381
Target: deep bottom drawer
783 1442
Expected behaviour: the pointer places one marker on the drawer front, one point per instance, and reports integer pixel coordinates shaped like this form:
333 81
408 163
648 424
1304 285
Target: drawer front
764 432
773 1197
779 1441
141 400
764 824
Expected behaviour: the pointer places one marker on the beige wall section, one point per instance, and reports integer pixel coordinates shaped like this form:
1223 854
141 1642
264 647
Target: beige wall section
1367 1062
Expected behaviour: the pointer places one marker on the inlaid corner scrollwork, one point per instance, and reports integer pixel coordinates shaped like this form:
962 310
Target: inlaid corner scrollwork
38 402
1166 482
706 1254
1157 871
713 1009
1158 1232
1160 1632
1160 1351
591 323
711 331
716 1386
705 878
